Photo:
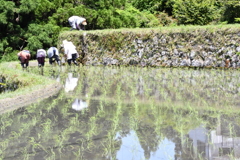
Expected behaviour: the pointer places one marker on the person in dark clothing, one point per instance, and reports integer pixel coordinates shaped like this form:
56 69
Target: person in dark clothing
41 54
53 55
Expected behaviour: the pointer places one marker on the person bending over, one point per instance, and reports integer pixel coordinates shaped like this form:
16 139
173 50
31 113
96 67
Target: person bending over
41 54
77 22
53 55
70 52
23 57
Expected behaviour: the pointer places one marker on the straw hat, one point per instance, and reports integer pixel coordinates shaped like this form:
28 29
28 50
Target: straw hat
84 23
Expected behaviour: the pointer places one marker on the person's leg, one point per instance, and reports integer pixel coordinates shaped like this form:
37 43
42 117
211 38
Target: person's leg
39 61
26 62
58 60
43 61
59 63
21 61
69 62
50 61
74 57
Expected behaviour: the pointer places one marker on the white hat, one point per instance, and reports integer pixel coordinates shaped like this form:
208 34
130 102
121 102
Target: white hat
64 41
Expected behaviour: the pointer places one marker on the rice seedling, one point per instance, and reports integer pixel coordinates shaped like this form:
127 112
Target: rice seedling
47 126
155 102
51 155
25 153
78 154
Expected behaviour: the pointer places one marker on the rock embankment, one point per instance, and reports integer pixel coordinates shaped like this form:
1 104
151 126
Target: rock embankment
199 47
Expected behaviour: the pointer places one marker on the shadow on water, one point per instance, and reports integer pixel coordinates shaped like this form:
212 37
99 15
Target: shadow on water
129 113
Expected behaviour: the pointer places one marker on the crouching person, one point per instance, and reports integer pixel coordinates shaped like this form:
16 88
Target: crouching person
24 57
70 52
53 55
41 54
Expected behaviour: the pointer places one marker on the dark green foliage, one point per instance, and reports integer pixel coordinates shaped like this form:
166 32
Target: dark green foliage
231 12
165 20
154 5
197 12
41 36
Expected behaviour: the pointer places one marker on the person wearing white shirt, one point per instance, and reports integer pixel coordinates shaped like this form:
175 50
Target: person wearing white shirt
77 22
70 52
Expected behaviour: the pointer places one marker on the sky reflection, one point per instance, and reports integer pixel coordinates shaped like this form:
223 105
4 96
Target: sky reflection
131 149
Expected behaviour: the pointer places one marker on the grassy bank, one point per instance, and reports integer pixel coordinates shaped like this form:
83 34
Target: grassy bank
30 87
182 29
13 73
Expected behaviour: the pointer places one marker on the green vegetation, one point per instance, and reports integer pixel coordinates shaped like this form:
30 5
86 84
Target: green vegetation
153 103
34 24
27 82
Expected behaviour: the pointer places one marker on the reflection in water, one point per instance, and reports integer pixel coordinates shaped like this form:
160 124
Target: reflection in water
129 113
71 82
213 144
79 104
131 149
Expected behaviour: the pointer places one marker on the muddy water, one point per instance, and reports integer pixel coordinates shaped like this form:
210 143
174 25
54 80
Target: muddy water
129 114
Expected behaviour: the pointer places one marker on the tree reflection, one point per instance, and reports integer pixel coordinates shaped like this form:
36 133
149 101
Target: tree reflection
99 112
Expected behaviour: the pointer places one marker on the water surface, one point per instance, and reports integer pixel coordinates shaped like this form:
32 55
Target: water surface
129 113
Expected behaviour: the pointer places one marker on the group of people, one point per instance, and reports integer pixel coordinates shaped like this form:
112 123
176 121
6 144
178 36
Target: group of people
53 55
70 51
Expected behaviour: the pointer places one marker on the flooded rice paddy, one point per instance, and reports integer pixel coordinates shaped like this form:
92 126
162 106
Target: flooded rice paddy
128 113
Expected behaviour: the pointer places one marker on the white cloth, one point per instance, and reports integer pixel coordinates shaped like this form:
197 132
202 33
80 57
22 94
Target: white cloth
71 83
76 21
41 53
50 52
79 104
69 49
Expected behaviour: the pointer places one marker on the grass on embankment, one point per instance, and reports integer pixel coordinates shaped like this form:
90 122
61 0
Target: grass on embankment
13 73
171 29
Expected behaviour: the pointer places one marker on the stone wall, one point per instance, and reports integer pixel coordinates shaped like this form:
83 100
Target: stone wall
197 47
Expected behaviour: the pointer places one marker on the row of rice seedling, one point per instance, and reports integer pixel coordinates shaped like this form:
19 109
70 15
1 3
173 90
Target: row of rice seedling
156 103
